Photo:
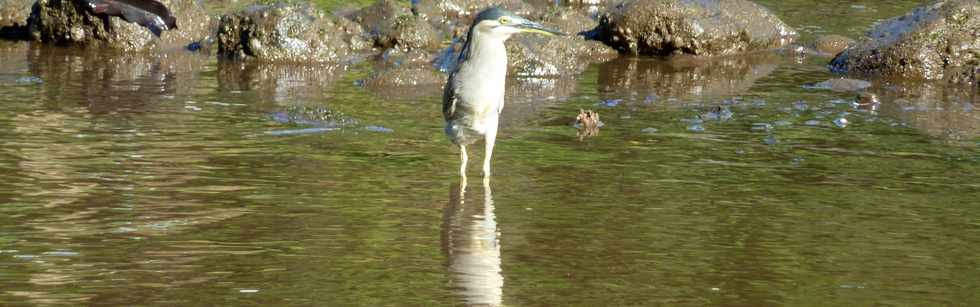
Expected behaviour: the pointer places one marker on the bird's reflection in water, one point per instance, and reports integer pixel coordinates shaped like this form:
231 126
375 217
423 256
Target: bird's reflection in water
472 246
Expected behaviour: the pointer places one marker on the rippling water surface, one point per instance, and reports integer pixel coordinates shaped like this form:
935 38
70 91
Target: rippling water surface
175 179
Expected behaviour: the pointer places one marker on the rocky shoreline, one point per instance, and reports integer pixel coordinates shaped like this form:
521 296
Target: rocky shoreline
411 42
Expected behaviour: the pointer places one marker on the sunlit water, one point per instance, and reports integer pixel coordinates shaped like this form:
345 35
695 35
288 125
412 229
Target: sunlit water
178 180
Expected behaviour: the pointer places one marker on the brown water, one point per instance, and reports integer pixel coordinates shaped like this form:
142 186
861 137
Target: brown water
177 180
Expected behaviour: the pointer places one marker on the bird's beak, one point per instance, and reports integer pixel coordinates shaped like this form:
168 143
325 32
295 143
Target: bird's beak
534 27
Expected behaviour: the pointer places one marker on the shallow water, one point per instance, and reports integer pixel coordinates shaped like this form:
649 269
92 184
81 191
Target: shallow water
178 180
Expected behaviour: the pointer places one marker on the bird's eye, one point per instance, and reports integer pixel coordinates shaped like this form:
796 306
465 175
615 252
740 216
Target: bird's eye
504 20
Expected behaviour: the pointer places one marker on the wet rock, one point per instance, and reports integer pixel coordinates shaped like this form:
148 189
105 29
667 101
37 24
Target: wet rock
13 18
390 23
831 44
840 85
698 27
286 33
934 42
411 32
354 34
68 22
554 56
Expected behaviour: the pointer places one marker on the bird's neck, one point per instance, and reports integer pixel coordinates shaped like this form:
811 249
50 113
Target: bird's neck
487 51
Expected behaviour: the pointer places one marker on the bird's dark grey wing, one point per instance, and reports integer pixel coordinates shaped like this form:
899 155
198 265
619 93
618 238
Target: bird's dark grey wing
449 98
148 13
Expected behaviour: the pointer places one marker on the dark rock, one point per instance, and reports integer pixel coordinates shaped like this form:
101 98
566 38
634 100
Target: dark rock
13 18
68 22
287 33
698 27
934 42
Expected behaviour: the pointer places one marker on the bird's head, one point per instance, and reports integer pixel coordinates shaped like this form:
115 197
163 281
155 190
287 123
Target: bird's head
500 23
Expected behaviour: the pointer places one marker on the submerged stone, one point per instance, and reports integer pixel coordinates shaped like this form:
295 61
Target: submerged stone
782 123
761 126
800 105
718 113
770 140
831 45
840 85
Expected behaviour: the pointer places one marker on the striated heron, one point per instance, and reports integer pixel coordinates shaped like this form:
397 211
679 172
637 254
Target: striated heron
474 94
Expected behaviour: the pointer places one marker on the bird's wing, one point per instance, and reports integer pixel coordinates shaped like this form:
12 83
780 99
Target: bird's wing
148 13
449 98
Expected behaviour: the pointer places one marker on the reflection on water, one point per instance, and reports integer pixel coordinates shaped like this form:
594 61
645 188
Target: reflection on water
684 77
945 111
164 179
281 83
471 242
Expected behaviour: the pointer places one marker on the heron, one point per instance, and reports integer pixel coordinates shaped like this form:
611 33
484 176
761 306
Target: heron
474 93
